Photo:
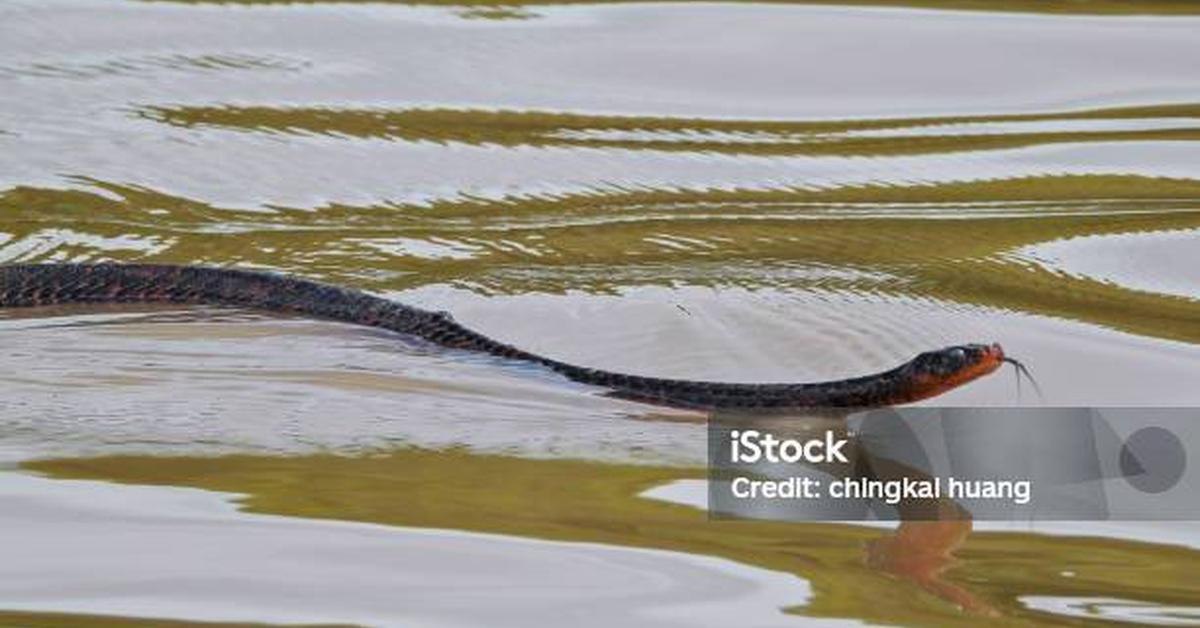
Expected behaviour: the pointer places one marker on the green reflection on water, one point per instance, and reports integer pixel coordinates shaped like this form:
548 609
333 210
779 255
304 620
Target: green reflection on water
949 241
837 137
853 570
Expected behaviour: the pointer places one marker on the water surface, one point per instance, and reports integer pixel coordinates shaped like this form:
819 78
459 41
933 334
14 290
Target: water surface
735 191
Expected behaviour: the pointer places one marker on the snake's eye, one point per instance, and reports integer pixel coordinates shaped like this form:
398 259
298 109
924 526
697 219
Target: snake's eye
952 360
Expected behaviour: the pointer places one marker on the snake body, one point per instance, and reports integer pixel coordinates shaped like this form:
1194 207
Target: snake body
30 285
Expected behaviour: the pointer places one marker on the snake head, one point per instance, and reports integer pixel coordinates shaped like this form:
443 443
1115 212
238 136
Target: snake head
952 361
935 372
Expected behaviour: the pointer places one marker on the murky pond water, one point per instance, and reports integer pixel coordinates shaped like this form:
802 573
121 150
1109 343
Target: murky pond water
732 191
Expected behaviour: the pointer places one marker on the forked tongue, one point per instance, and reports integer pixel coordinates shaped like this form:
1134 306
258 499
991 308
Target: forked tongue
1022 370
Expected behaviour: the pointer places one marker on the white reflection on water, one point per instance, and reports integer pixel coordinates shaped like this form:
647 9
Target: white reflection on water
1115 610
923 130
741 61
97 548
1166 262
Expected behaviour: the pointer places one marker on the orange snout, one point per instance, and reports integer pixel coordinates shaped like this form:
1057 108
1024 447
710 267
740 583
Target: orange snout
927 385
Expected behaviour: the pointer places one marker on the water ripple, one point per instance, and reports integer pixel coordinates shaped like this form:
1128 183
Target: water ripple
151 65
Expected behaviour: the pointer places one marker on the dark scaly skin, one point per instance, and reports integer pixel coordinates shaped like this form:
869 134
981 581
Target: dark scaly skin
928 374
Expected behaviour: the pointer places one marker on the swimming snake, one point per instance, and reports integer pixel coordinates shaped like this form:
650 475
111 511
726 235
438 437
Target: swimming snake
26 285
